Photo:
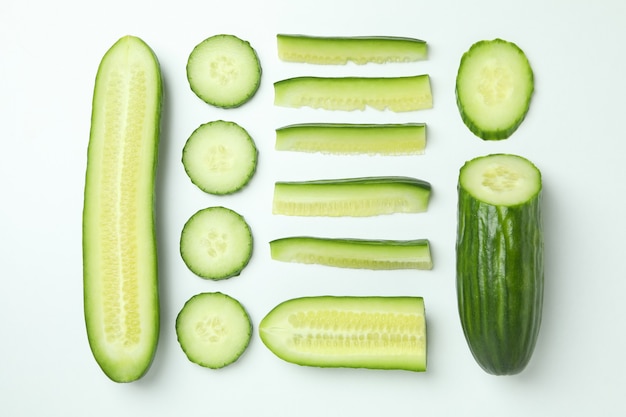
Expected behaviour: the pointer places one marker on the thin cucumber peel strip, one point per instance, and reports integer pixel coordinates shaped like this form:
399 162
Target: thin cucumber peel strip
353 139
397 94
339 50
355 197
353 253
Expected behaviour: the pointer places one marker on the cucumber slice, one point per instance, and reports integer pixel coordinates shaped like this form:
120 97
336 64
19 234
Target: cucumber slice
213 329
500 260
398 94
224 71
353 253
338 50
216 243
348 332
494 87
121 300
353 139
220 157
356 197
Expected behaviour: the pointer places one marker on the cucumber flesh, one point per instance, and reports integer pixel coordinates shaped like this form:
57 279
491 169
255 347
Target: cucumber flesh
353 253
121 300
355 197
353 139
500 276
224 71
494 87
213 329
397 94
337 50
348 332
220 157
216 243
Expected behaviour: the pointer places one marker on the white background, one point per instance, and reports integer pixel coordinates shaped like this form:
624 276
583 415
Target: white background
574 132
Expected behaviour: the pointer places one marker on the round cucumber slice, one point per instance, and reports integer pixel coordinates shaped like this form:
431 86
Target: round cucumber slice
213 329
224 71
494 86
216 243
220 157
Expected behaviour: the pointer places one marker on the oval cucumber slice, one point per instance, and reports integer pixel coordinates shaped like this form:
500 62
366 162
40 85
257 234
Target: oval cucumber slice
213 329
216 243
120 279
348 332
224 71
397 94
494 87
220 157
353 139
338 50
353 253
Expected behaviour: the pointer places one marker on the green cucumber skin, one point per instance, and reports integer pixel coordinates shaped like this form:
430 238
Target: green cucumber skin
500 281
338 50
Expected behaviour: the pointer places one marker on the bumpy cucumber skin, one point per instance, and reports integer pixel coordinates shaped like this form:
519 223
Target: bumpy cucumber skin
500 280
476 129
338 50
277 327
130 365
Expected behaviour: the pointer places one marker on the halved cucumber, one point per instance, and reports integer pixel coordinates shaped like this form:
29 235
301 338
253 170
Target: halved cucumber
121 300
216 243
353 139
398 94
220 157
499 264
350 332
356 197
213 329
494 86
224 71
329 50
353 253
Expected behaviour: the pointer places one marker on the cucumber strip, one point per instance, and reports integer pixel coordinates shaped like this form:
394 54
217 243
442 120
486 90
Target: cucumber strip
348 332
224 71
213 329
355 197
499 263
353 139
216 243
220 157
120 283
353 253
398 94
494 87
338 50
